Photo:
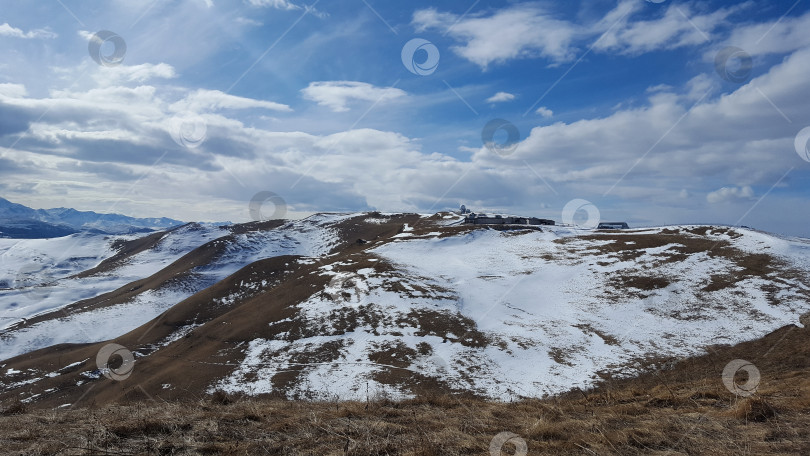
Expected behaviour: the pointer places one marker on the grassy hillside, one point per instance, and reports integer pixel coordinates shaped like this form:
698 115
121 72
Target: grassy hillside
682 407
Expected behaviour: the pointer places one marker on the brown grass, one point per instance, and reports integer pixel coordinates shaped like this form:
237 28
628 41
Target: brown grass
683 409
624 422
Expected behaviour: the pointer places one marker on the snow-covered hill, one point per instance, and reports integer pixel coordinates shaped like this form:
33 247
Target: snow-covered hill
544 311
344 305
46 282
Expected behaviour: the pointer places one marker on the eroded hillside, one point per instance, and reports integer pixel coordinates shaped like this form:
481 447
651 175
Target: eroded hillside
344 306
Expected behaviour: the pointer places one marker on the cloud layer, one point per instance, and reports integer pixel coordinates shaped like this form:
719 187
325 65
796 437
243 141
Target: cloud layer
338 95
194 131
528 30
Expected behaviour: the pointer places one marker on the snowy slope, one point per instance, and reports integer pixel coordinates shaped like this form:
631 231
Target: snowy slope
547 303
43 260
310 237
38 271
421 303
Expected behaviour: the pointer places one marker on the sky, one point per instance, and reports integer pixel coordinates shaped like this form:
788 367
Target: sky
646 111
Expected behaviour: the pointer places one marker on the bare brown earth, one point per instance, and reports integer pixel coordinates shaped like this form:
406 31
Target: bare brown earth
677 407
680 409
204 354
216 324
176 272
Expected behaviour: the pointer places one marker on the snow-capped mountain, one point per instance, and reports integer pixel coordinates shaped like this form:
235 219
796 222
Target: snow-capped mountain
22 222
346 305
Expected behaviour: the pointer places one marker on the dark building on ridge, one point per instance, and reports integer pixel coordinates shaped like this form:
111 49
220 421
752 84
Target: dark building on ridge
484 219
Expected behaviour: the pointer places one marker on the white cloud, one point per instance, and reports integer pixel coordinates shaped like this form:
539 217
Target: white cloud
337 95
501 97
277 4
12 90
734 138
520 31
7 30
777 36
246 21
702 85
531 31
115 75
79 105
106 137
286 5
678 27
727 194
660 88
214 100
544 111
657 155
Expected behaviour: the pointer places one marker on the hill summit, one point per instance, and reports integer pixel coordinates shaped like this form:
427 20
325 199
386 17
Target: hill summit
349 306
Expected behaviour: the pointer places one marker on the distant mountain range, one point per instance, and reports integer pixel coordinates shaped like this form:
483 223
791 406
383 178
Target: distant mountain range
22 222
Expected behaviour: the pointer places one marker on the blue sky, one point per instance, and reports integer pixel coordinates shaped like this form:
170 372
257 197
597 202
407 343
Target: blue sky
622 104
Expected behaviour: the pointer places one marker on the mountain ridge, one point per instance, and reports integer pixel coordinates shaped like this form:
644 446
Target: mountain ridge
22 222
396 304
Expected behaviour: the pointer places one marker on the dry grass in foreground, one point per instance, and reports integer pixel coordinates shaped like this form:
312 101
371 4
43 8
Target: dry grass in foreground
682 410
643 424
